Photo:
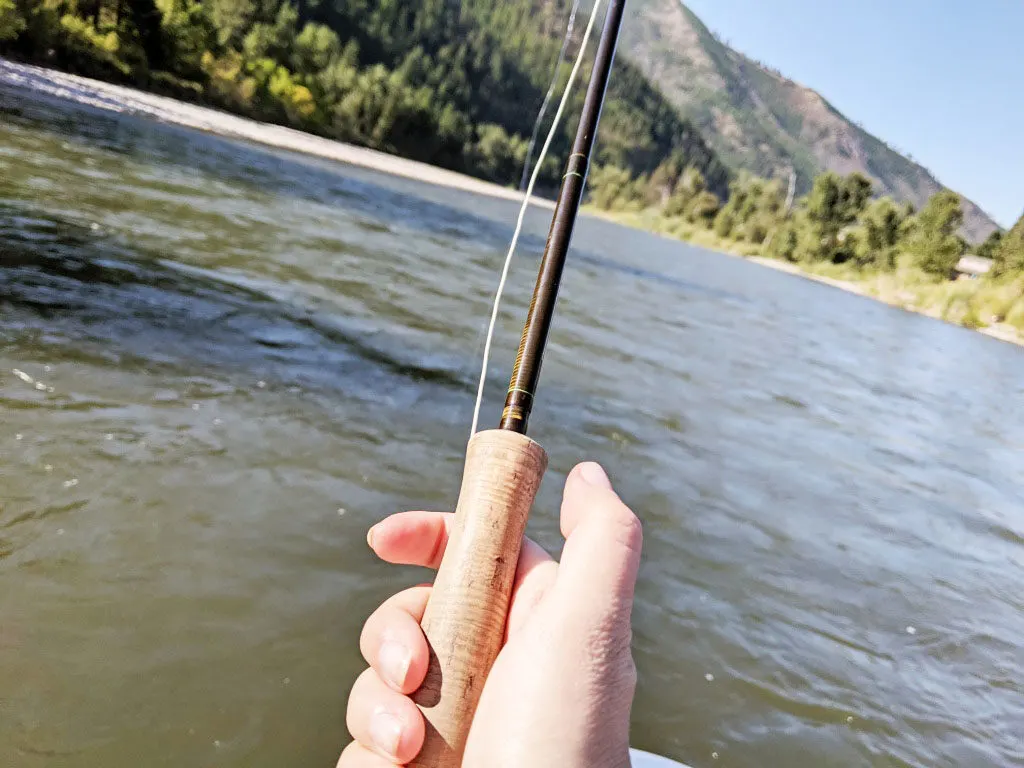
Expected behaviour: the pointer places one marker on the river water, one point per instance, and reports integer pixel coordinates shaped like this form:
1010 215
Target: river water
219 365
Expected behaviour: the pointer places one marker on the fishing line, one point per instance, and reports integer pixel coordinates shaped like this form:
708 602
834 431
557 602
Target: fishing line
551 90
522 213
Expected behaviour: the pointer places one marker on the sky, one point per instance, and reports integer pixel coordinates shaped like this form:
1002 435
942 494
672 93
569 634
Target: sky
940 79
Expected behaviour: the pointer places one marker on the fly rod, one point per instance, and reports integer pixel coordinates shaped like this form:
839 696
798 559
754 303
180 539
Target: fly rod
465 617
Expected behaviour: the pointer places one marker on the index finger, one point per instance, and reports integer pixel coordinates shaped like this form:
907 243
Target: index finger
411 538
420 538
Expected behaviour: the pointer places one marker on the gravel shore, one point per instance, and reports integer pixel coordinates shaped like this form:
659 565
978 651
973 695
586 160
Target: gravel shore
117 98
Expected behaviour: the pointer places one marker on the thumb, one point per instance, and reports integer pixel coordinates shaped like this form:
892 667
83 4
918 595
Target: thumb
597 574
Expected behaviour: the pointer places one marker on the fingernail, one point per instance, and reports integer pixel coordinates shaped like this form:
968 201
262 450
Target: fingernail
592 474
369 536
386 731
394 662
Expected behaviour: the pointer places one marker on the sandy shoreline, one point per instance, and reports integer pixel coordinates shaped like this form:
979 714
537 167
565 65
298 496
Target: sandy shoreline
117 98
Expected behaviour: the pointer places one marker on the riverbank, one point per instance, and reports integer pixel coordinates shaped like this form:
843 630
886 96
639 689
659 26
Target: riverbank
949 301
116 98
954 302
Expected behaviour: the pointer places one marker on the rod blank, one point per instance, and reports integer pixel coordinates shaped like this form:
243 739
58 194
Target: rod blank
526 372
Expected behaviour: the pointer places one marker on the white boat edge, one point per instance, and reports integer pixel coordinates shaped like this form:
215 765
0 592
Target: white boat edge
641 759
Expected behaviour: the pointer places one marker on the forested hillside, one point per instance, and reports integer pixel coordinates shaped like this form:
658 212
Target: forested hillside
760 121
454 84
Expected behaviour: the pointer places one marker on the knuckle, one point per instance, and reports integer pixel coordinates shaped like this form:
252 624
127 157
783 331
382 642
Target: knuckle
629 672
349 758
366 635
373 628
628 528
353 708
608 648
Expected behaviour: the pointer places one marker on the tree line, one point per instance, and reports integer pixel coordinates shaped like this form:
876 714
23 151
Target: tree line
453 84
838 227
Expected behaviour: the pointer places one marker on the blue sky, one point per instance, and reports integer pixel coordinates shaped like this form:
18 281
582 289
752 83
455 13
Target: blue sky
940 79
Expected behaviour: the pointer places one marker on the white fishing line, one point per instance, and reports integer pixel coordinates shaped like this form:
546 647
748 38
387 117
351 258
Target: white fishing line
522 214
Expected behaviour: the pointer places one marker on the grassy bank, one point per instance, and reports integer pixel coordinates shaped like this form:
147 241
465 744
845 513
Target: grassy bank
994 306
651 220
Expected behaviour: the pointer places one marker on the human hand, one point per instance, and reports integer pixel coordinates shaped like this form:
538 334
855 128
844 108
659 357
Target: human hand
560 692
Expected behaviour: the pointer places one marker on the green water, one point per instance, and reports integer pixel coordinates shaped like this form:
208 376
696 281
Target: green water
219 365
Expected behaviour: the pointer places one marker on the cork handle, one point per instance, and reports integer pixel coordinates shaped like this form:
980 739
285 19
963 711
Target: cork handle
465 618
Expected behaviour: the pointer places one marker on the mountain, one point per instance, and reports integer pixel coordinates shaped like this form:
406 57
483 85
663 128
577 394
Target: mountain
640 128
761 121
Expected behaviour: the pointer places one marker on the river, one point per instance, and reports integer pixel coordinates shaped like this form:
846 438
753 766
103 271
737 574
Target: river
220 364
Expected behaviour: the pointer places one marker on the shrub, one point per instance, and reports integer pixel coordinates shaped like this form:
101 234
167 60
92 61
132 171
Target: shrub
933 244
12 23
88 50
1015 316
724 223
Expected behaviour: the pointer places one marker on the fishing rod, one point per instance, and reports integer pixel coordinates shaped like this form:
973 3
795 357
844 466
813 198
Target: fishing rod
465 617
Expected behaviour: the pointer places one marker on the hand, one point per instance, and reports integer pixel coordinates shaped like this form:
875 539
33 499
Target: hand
560 691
